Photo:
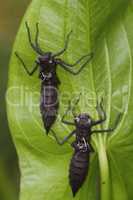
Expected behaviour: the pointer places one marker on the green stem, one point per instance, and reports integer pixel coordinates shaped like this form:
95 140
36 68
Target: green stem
104 170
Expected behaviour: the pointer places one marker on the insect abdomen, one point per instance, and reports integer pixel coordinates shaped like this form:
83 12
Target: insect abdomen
49 105
78 170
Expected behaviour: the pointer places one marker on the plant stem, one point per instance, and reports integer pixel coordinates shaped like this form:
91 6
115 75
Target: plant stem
104 170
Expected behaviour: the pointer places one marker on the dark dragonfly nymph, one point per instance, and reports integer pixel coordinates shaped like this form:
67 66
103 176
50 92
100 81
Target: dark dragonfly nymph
47 63
83 123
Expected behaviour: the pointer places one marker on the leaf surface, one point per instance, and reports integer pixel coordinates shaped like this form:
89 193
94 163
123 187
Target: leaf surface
104 27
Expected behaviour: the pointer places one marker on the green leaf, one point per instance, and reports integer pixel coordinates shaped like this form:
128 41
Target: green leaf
106 28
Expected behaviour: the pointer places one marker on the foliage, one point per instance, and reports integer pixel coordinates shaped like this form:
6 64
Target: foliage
104 27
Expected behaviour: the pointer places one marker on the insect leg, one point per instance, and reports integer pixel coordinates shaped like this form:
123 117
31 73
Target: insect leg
34 47
109 129
77 62
101 113
66 65
61 142
26 69
65 47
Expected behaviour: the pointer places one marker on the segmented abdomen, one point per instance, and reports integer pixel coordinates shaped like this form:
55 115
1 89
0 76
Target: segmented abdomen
49 105
78 170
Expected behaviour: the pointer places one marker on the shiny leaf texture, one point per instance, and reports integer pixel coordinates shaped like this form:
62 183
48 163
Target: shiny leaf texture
104 27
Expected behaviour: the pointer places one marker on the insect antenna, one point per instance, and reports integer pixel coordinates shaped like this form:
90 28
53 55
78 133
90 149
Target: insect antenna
65 47
35 46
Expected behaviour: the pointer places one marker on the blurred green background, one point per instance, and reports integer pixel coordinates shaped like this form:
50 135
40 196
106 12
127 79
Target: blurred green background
11 12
